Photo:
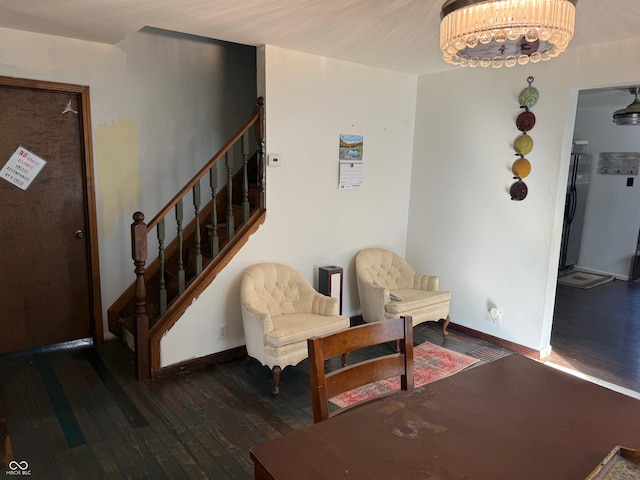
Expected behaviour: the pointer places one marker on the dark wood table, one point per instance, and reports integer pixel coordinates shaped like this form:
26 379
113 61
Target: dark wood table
513 418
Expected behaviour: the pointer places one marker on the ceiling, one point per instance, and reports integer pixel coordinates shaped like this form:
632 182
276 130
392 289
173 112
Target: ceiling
613 98
400 35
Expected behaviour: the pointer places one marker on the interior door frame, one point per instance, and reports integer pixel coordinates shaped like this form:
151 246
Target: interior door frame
89 187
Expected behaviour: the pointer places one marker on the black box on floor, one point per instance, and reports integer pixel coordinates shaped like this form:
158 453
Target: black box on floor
330 282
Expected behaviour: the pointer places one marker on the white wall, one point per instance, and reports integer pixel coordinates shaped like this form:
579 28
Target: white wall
612 214
488 249
310 101
161 106
178 101
458 221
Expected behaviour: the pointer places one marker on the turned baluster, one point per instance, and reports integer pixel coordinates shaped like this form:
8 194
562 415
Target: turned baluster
179 219
230 220
215 240
197 239
245 177
163 284
260 151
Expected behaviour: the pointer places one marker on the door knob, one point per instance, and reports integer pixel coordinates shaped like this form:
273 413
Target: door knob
79 233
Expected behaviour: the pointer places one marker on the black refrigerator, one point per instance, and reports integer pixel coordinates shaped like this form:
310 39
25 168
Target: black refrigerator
576 197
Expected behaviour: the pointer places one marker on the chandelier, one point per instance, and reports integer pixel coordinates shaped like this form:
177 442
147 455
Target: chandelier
505 32
631 114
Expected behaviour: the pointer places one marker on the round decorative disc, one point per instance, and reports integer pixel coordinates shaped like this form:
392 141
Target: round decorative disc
518 190
525 121
521 168
528 97
523 144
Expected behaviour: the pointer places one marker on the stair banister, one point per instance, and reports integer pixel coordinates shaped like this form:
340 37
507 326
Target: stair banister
147 338
189 186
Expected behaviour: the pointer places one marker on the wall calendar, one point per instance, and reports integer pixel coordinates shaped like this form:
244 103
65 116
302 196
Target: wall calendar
351 162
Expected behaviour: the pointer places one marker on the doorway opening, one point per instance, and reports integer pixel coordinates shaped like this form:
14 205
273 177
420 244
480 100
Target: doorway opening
594 330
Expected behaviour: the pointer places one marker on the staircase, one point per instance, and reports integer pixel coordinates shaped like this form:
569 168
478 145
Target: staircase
198 249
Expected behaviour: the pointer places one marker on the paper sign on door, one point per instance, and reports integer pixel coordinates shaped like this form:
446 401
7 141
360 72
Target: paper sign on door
22 167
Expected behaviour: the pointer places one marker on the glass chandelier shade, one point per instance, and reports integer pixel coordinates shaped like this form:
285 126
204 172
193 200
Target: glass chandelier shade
505 32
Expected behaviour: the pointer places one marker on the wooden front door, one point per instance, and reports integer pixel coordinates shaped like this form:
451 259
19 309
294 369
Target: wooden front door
49 283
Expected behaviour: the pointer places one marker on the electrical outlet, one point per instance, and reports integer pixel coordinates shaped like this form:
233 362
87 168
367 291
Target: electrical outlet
222 331
496 315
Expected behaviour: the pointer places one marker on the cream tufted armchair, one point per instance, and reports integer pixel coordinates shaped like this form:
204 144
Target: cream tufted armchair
280 310
389 287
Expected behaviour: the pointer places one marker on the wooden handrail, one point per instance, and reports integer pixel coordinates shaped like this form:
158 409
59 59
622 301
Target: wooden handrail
201 173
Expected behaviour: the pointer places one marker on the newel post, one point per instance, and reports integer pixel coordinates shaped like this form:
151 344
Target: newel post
139 255
260 144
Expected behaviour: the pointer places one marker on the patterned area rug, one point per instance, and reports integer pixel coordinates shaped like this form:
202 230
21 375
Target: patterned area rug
584 280
431 363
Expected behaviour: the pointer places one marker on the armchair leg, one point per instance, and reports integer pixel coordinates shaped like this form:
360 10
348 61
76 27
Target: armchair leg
344 359
445 325
276 380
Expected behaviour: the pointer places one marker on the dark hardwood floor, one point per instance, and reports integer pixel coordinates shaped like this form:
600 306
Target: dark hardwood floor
80 413
597 332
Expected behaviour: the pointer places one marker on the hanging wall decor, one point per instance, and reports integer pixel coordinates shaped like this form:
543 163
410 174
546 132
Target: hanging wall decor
523 144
